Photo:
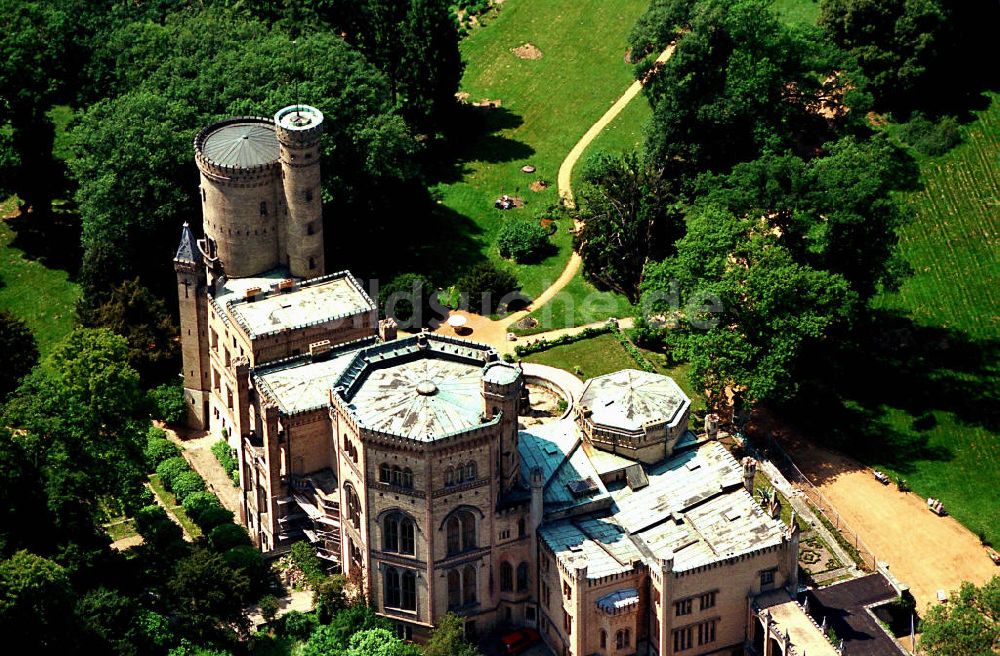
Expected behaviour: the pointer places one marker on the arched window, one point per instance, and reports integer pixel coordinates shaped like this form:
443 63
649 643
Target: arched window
397 474
263 208
521 528
506 577
398 534
312 263
470 471
353 506
461 530
469 585
449 477
454 589
454 528
390 533
383 473
409 597
392 591
604 639
407 478
623 639
522 577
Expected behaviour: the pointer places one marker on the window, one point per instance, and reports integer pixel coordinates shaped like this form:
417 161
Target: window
309 195
397 534
353 506
506 577
546 599
454 589
604 639
623 639
407 478
470 471
767 578
682 607
706 632
567 622
400 589
449 477
263 208
403 631
567 591
310 228
396 475
522 577
707 600
312 263
461 528
682 639
469 585
383 473
521 528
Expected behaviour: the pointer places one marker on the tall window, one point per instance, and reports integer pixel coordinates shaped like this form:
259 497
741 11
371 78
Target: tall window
522 577
682 607
469 585
706 632
397 533
623 639
454 589
400 589
353 506
384 473
506 577
707 600
407 478
461 528
470 471
682 639
449 476
604 639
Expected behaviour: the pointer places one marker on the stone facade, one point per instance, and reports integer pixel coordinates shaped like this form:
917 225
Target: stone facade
613 530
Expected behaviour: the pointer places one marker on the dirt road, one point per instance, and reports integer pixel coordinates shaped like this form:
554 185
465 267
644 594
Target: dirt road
927 552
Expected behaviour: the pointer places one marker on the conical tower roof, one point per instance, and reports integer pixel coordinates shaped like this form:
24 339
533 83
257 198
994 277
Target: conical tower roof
187 251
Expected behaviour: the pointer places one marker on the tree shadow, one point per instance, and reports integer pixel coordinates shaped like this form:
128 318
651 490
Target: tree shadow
476 139
877 397
51 238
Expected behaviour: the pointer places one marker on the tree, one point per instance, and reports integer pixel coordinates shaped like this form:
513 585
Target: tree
207 594
186 484
522 240
168 403
18 352
133 312
487 287
36 599
738 83
171 469
967 625
157 529
269 607
751 311
32 58
431 66
628 218
329 597
448 639
379 642
107 621
333 638
407 299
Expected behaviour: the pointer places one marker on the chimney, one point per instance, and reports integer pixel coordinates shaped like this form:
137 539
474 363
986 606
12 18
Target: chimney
749 470
712 425
319 351
387 330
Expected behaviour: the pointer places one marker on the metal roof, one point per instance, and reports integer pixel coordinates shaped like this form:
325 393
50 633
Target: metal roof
631 399
244 144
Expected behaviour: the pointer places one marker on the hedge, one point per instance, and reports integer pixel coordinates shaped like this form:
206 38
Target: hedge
186 484
227 458
543 344
170 469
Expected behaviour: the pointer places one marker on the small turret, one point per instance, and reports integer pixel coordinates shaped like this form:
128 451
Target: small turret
501 389
749 471
537 497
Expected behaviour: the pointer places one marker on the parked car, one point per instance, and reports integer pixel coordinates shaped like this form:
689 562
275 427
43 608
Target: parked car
518 641
994 556
881 478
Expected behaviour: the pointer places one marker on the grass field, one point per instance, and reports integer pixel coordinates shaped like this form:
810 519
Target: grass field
954 250
603 354
44 298
546 105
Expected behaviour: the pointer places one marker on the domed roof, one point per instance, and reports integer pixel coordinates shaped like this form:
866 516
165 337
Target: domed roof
631 399
243 143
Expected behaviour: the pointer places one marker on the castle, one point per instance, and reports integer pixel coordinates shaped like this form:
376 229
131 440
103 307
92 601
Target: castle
613 529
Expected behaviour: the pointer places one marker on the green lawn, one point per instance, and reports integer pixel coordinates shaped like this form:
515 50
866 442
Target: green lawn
170 501
954 250
546 105
44 298
604 354
797 11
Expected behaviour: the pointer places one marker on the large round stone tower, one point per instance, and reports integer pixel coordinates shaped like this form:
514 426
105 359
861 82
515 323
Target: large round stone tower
298 130
241 194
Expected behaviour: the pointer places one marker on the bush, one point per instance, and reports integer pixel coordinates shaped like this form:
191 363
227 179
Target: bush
522 240
407 299
304 556
485 286
931 138
226 536
227 458
166 402
213 517
157 450
269 607
156 529
170 469
248 561
197 504
298 625
186 484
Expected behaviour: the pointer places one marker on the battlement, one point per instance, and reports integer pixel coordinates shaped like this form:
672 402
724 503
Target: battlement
298 126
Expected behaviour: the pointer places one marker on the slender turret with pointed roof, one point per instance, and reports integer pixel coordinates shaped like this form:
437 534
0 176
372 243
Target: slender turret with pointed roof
192 296
187 250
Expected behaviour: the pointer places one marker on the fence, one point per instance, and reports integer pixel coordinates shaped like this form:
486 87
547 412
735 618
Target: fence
846 536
